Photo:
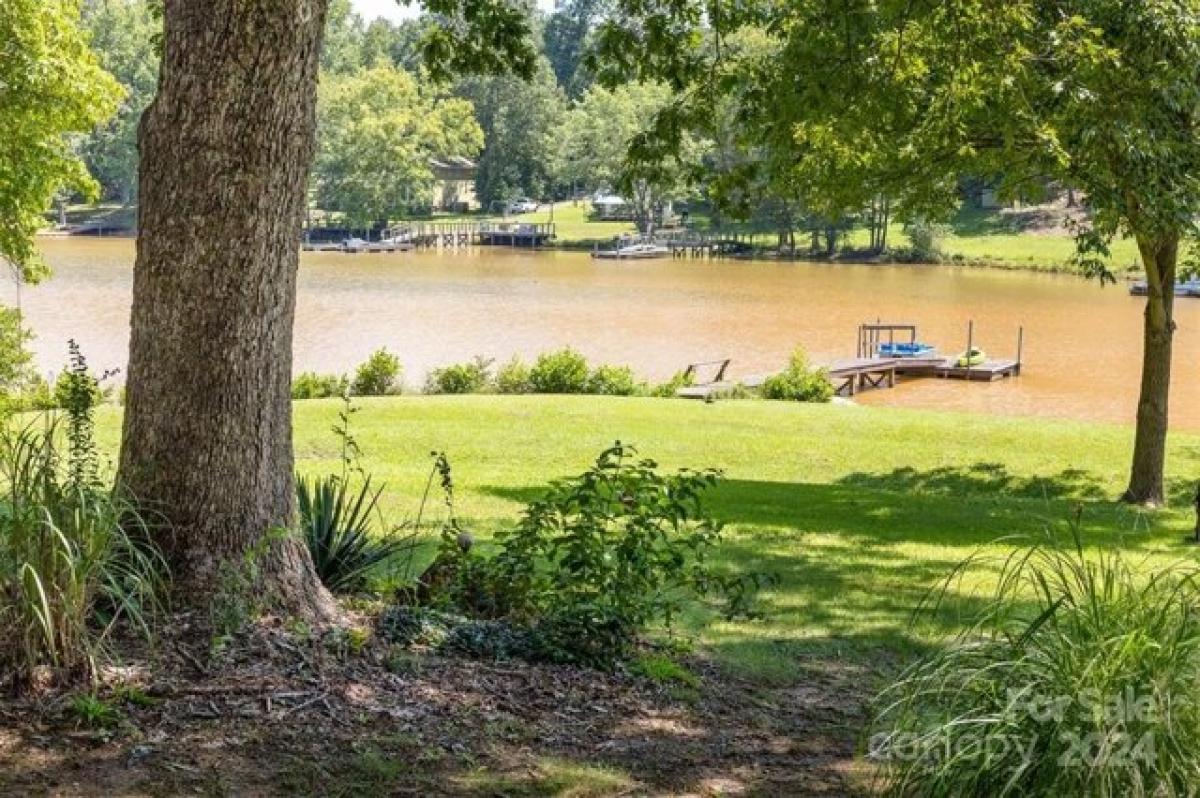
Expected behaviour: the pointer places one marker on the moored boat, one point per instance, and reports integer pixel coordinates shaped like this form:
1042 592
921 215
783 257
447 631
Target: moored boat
633 252
1189 288
913 349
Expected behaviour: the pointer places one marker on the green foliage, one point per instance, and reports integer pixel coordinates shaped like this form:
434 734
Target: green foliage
336 522
479 37
449 633
595 141
667 390
311 385
378 376
94 712
513 377
520 121
74 555
564 371
565 38
16 362
604 555
799 382
54 88
336 518
473 377
1078 678
925 240
378 129
124 35
612 381
663 669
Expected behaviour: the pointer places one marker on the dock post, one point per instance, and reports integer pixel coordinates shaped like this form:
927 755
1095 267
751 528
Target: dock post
970 346
1020 344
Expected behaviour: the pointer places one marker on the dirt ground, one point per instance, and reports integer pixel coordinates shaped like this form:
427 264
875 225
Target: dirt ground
278 711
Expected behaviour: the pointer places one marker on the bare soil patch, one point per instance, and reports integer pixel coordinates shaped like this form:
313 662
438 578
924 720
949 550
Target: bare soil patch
278 711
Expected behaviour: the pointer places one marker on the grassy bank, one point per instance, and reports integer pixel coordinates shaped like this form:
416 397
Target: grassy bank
858 511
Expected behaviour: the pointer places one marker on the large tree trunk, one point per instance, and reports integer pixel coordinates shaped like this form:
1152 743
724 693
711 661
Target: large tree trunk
225 152
1150 443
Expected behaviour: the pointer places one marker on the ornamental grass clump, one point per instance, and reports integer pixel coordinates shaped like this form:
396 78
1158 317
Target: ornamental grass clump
75 557
1080 678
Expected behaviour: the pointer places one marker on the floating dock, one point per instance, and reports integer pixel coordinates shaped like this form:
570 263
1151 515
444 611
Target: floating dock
869 371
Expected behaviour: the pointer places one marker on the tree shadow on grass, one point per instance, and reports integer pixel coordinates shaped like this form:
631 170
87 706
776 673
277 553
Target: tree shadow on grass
984 478
854 564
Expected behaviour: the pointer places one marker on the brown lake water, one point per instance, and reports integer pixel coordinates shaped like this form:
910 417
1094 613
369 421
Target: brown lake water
1082 342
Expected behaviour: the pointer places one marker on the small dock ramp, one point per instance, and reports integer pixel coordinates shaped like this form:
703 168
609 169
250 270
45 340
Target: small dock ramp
707 379
860 373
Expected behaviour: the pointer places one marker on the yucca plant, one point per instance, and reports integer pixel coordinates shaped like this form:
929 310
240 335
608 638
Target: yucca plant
336 520
1080 678
74 555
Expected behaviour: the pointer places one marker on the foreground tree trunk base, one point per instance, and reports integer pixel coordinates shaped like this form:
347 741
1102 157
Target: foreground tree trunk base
279 579
291 586
225 150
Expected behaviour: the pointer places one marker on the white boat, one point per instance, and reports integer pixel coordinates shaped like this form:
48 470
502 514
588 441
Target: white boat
1189 288
634 252
386 245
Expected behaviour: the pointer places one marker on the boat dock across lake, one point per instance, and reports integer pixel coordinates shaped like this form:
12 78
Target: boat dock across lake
870 369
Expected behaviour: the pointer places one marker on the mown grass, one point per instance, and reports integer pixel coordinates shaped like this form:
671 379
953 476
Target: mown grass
858 511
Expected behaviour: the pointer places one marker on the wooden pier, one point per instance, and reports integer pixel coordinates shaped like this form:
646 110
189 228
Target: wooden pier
851 376
695 244
464 234
870 371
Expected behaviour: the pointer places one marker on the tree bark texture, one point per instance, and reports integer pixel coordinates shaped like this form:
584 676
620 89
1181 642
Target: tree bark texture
225 152
1160 258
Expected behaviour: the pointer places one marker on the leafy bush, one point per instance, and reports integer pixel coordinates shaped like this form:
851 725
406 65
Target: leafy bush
1078 678
74 554
378 376
460 378
925 240
564 371
799 382
453 634
15 359
668 389
603 556
513 377
311 385
612 381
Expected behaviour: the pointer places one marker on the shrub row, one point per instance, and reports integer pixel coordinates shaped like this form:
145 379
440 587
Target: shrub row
379 375
565 371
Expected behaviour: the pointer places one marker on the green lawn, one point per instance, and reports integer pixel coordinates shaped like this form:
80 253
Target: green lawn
858 511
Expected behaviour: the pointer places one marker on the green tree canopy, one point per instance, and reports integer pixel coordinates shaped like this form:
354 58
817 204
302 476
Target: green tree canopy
51 88
520 120
123 35
598 134
377 131
900 98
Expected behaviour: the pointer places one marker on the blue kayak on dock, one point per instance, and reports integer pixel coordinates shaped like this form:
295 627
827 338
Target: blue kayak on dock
906 350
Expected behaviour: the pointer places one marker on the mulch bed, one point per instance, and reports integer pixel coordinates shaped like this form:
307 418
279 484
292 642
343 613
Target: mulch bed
279 711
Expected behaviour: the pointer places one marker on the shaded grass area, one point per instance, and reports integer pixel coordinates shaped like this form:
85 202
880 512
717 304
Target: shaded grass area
858 512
